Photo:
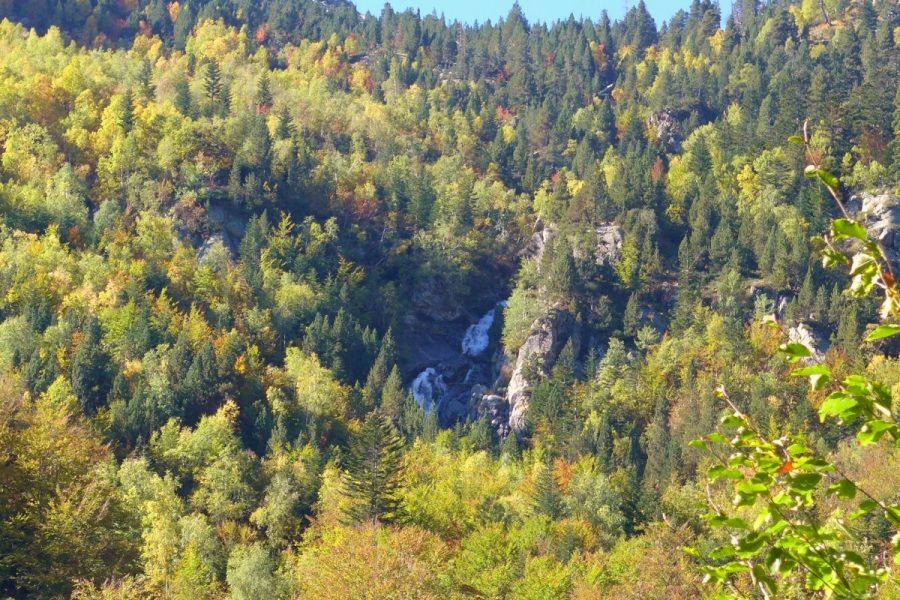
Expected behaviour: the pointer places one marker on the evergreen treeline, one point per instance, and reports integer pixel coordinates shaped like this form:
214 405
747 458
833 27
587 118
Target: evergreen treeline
217 218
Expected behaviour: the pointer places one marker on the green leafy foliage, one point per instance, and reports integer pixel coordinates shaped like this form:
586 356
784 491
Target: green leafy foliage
781 480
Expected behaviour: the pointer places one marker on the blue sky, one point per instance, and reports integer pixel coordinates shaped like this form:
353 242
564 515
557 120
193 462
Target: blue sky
535 10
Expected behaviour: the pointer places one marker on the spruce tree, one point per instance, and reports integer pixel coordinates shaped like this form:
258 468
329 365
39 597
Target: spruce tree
264 93
378 374
126 114
212 80
547 497
183 96
560 271
806 296
89 375
509 448
393 396
632 317
373 473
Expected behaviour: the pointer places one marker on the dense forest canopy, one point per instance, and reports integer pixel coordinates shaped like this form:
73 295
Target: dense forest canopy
297 302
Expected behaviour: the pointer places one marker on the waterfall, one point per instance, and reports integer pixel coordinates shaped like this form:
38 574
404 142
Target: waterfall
451 381
476 340
428 389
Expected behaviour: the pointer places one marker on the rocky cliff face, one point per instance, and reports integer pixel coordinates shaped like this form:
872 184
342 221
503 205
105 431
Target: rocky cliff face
880 213
462 374
549 334
811 337
541 238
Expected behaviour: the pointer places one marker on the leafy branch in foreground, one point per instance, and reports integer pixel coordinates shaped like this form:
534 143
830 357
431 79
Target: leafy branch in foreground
778 540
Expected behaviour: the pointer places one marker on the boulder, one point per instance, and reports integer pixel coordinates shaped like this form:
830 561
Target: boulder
664 123
497 410
549 333
540 239
651 316
609 244
217 240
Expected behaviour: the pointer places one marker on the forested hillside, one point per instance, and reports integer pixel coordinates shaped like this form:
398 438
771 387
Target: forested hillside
302 303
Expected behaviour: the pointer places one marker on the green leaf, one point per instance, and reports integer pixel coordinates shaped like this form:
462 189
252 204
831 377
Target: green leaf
750 545
798 449
874 430
805 482
732 421
832 257
893 514
817 382
814 464
837 405
883 331
795 351
819 375
845 228
844 488
779 562
811 370
751 487
719 472
863 270
722 552
862 264
824 176
717 438
742 499
830 180
865 507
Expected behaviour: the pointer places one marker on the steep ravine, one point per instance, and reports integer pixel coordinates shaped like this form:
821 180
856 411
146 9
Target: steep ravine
453 386
466 373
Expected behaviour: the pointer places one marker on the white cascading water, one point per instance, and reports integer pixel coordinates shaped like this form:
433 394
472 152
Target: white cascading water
427 389
476 340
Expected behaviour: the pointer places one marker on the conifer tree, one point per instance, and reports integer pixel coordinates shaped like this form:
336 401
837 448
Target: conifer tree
183 96
264 93
632 316
378 374
547 496
126 114
393 396
89 375
373 473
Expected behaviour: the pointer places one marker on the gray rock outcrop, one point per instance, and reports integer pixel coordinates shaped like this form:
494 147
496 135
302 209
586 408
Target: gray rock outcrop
667 128
549 333
812 338
609 244
540 239
497 411
880 213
